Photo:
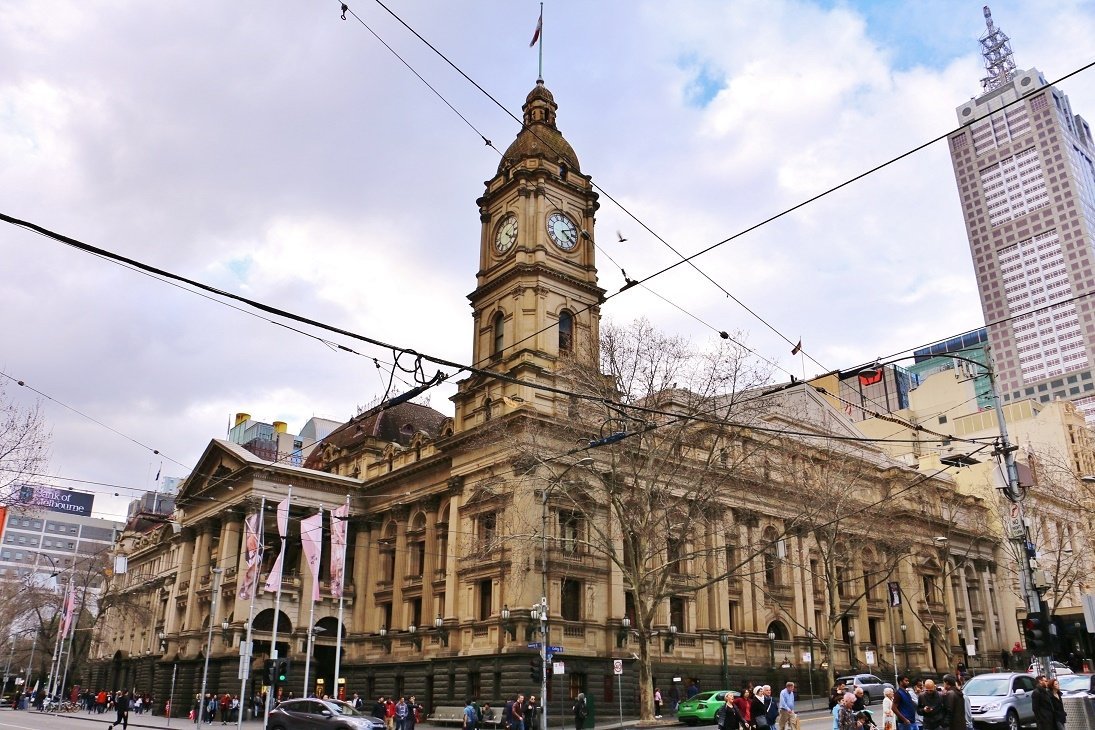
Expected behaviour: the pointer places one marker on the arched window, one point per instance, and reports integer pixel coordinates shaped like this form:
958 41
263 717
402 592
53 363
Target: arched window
566 331
498 335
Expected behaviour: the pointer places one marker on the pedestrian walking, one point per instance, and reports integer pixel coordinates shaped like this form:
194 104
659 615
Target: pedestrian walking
788 719
580 710
121 707
657 702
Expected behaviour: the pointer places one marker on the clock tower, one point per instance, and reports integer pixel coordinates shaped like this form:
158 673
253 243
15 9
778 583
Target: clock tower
536 299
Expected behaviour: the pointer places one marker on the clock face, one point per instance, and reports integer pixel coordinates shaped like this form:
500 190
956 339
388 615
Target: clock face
506 235
562 231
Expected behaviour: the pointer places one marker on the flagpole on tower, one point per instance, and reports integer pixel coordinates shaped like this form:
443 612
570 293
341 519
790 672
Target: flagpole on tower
538 37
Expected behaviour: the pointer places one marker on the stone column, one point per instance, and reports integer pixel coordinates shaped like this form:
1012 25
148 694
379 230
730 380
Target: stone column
800 586
992 614
199 567
429 564
399 569
964 586
364 566
227 557
172 621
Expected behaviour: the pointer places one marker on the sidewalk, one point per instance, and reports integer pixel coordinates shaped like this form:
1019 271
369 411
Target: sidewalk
809 707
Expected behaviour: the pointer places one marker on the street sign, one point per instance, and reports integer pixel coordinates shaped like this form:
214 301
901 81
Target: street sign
245 667
869 656
534 645
617 666
1088 601
555 649
1013 525
807 658
557 668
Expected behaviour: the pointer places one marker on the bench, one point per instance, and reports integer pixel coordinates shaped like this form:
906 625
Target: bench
455 714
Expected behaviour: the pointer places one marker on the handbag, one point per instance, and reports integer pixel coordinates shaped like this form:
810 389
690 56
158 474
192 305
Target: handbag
761 722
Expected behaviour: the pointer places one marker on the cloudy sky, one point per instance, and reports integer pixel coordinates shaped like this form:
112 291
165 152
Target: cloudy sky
274 150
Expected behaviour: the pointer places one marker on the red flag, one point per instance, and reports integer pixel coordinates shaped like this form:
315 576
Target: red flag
70 604
870 377
539 28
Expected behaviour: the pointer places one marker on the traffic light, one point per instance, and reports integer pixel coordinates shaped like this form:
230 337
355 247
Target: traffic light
535 670
268 671
1037 634
282 671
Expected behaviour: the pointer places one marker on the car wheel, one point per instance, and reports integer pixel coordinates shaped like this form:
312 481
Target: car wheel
867 699
1012 720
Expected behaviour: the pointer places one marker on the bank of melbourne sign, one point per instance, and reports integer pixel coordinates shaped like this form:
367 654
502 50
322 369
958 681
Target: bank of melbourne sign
58 500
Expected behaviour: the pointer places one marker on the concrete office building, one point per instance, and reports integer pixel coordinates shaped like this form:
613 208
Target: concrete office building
36 545
1023 164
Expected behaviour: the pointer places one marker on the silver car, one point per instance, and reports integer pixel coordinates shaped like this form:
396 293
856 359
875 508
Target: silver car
1000 700
873 688
316 714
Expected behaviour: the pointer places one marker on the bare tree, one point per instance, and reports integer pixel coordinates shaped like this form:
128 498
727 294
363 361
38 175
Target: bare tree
656 459
24 445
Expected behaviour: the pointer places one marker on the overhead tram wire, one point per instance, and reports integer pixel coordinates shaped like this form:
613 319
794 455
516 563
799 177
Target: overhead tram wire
490 144
621 206
766 221
548 144
87 248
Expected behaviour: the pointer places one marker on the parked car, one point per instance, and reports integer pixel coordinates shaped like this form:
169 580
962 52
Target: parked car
314 714
1059 668
1078 684
873 688
701 709
1000 700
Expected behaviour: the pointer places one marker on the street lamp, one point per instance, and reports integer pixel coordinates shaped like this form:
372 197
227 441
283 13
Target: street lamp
163 641
623 632
851 647
772 645
217 572
671 639
384 639
416 640
543 610
308 658
442 632
724 639
507 624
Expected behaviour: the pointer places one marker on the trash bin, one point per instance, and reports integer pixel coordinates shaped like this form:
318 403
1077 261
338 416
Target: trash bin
1081 713
591 711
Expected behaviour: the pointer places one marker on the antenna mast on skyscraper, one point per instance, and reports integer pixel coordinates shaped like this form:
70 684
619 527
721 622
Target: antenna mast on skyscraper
996 48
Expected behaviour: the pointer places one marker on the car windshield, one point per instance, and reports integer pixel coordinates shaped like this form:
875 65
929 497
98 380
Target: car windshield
345 708
1072 682
987 686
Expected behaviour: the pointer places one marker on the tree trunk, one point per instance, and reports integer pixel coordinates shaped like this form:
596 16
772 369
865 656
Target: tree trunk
646 681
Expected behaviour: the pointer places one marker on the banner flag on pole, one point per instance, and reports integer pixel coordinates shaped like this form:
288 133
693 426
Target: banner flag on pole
273 581
252 551
339 520
311 542
70 604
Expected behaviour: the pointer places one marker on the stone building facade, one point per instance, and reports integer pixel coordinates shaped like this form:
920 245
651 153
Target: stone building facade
440 588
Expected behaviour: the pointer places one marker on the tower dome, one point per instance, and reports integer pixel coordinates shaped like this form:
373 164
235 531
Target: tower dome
539 137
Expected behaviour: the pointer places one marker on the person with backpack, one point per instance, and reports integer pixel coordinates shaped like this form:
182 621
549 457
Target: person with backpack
580 710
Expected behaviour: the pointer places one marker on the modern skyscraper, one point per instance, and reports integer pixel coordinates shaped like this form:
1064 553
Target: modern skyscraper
1023 164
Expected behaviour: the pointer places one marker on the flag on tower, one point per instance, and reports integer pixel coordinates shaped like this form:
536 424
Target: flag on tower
539 28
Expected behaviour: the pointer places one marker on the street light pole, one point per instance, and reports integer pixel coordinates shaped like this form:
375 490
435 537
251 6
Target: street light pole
209 637
772 646
905 643
544 589
724 639
851 647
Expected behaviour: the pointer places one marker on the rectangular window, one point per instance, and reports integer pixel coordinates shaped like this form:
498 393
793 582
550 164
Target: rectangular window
414 609
571 595
676 613
570 531
486 598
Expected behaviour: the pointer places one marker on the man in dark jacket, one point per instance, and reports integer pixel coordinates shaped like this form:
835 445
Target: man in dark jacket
954 704
930 706
121 706
1041 702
